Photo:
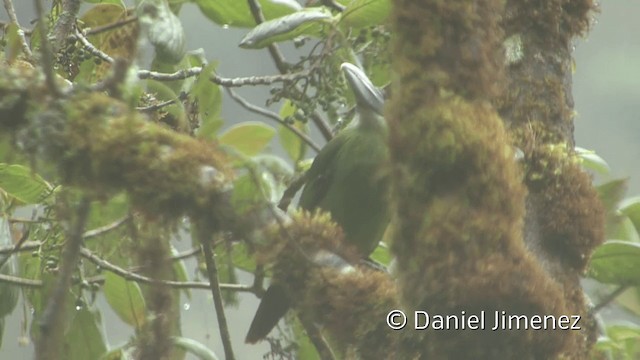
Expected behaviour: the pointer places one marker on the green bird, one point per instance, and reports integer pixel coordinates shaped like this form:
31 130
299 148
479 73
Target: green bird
349 180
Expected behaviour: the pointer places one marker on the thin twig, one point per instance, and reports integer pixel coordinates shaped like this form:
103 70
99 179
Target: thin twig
204 235
20 281
8 5
27 246
226 82
128 275
105 229
271 115
47 53
609 298
92 49
52 318
16 247
111 26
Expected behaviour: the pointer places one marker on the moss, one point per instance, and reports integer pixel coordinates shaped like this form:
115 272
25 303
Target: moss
571 214
554 21
459 195
107 147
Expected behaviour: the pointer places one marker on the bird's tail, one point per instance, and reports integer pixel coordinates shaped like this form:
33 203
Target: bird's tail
273 306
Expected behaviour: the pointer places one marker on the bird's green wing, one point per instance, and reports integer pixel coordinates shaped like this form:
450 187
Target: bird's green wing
321 173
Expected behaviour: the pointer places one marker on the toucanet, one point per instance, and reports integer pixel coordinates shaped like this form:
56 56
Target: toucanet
349 179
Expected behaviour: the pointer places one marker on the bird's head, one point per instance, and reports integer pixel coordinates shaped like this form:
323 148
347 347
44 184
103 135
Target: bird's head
369 99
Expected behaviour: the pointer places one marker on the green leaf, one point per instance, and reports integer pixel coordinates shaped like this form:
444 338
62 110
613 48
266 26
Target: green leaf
23 184
610 194
591 161
616 262
382 255
631 208
180 271
84 339
196 348
621 342
209 98
305 350
295 147
125 299
164 31
365 13
307 22
237 12
249 137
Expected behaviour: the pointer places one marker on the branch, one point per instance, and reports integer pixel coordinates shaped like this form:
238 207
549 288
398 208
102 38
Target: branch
47 53
212 271
113 25
105 229
271 115
20 281
226 82
52 317
92 49
65 24
8 5
609 298
128 275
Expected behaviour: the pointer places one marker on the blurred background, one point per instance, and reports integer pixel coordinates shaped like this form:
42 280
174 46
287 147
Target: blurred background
607 101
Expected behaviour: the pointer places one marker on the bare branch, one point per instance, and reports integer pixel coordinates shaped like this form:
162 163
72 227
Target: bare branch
203 235
8 5
105 229
111 26
609 298
92 49
128 275
271 115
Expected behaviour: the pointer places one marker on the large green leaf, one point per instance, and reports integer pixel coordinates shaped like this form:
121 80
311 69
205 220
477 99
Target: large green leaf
84 339
126 300
164 31
622 342
631 208
591 161
23 184
306 22
616 262
237 12
365 13
249 137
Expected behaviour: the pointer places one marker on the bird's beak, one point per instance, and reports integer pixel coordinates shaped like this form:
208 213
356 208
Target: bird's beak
367 94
